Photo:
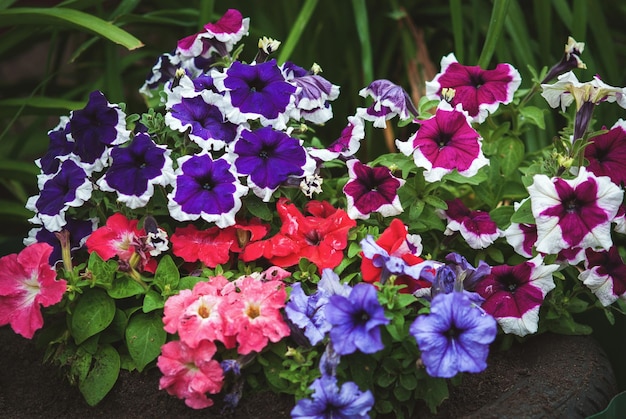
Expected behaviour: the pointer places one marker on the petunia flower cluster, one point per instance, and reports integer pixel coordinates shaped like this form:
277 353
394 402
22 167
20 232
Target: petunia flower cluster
214 237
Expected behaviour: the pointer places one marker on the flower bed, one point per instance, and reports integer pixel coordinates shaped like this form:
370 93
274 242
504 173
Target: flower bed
217 237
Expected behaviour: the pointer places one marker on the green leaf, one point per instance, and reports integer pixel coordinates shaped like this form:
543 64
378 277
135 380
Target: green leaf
510 154
144 338
258 208
124 286
436 202
68 18
102 272
102 376
40 102
152 301
477 179
296 30
524 214
534 115
93 313
167 276
502 216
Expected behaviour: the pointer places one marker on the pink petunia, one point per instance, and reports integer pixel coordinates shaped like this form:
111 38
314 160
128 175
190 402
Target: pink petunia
228 30
514 294
118 237
478 91
27 281
190 373
253 312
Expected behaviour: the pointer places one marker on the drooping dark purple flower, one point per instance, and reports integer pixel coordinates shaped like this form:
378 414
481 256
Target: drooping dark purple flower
570 60
256 92
607 153
69 187
356 320
390 100
455 336
371 189
478 91
331 401
205 188
514 294
574 213
444 143
136 169
269 158
78 230
605 275
95 127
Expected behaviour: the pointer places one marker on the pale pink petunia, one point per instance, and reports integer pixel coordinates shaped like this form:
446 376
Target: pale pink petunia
27 282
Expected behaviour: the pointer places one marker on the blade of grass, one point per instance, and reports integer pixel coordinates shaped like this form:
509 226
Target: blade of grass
205 13
498 17
362 26
602 35
543 16
579 19
563 10
456 15
69 17
296 30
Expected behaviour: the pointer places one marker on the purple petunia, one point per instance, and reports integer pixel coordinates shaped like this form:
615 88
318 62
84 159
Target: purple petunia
256 92
69 187
607 153
136 169
94 128
60 146
356 320
313 95
574 213
476 227
514 294
346 145
444 143
331 401
269 158
78 231
371 189
605 275
454 337
390 100
478 91
205 188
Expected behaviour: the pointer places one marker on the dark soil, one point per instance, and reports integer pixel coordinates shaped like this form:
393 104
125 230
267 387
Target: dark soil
548 376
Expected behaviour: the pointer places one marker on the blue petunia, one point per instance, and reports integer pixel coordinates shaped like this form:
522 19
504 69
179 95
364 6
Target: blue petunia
136 169
356 320
269 158
205 188
455 336
330 401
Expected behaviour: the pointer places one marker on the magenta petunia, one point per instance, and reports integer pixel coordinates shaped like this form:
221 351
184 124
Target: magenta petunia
574 213
607 153
478 91
444 143
514 294
346 145
476 227
605 275
371 189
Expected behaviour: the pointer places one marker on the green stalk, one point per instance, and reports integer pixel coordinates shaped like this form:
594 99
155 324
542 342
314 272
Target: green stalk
498 16
456 15
205 12
362 26
296 30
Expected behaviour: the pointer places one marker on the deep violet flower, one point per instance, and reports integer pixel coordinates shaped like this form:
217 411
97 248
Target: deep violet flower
455 336
269 158
27 282
331 401
607 153
478 91
514 294
256 92
78 231
605 275
444 143
570 60
136 169
574 213
205 188
60 146
371 189
356 320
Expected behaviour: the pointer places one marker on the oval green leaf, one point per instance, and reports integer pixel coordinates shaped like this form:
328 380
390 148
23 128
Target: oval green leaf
144 338
102 376
94 312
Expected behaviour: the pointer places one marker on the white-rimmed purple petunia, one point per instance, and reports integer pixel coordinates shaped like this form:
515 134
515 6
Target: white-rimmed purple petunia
269 158
256 92
574 213
514 294
205 188
444 143
69 187
480 92
605 275
390 100
135 170
455 336
475 226
346 145
60 146
371 189
313 95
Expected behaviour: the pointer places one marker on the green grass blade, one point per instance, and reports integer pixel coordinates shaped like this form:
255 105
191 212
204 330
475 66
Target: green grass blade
456 16
69 18
362 26
296 30
41 103
579 21
498 16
